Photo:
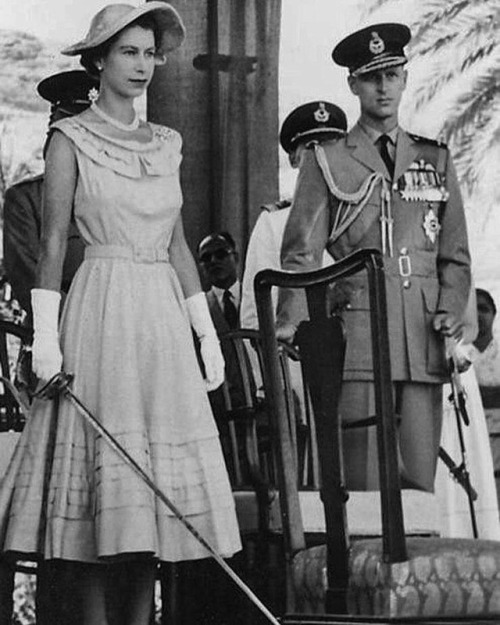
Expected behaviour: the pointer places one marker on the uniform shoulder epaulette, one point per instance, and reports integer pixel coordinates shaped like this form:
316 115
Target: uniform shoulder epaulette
275 206
420 139
28 180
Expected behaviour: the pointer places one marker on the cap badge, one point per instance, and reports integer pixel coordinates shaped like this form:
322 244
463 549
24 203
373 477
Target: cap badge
376 45
321 115
92 95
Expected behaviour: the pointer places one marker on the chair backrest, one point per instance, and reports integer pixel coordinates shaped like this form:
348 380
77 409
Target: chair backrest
317 337
12 337
248 431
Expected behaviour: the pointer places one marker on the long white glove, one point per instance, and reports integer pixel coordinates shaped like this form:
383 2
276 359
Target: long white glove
201 321
46 352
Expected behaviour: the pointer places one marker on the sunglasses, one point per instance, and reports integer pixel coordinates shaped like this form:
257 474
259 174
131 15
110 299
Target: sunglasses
219 254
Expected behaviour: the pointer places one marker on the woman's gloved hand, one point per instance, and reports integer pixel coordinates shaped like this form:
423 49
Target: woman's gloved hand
46 351
201 322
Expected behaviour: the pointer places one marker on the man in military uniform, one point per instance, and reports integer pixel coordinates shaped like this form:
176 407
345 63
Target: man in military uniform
218 259
384 188
68 94
313 121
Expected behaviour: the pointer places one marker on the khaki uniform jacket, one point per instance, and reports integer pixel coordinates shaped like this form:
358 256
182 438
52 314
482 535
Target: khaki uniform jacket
429 271
21 240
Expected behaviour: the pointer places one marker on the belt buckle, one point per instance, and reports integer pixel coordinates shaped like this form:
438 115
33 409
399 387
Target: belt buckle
144 255
404 262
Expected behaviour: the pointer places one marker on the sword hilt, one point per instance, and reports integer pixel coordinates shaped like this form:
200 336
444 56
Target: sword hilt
55 386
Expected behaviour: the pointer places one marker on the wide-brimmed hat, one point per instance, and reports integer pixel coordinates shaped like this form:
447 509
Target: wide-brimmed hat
372 48
115 17
317 119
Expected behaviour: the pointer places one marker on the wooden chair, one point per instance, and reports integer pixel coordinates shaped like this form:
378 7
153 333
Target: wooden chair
12 338
251 441
388 579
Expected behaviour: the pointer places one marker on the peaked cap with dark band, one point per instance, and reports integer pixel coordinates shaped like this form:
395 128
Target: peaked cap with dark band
312 120
375 47
68 89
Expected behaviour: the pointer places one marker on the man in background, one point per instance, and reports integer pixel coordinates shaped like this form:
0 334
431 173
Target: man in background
316 121
68 94
218 259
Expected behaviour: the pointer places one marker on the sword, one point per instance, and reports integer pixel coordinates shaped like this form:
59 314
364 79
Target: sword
60 385
457 399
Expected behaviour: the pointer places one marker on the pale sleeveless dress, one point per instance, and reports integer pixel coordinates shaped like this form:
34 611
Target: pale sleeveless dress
126 337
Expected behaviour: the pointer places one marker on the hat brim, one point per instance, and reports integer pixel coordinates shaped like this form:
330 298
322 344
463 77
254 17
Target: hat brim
168 20
315 132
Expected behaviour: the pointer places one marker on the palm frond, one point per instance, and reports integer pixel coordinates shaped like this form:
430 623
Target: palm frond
474 105
475 133
447 69
371 6
439 14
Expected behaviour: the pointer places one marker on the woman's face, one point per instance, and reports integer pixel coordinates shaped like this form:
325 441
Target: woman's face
128 67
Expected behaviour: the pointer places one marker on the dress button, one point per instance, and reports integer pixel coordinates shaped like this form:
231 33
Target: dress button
406 284
403 251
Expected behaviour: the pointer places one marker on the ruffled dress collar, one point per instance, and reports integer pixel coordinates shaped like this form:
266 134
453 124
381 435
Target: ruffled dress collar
160 156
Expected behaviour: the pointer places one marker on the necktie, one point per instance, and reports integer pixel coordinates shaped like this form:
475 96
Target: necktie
383 140
230 312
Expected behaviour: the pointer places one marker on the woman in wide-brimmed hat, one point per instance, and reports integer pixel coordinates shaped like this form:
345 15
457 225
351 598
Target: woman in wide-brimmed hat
125 334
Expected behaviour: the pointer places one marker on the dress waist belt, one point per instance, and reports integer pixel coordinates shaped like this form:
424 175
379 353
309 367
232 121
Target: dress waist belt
135 254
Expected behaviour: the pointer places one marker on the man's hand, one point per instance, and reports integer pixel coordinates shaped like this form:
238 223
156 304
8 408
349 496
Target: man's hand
448 325
286 332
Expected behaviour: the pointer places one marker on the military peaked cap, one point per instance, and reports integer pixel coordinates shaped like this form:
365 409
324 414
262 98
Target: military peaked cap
310 121
68 90
372 48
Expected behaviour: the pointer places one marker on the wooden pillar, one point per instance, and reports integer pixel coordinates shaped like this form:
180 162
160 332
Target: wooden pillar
220 91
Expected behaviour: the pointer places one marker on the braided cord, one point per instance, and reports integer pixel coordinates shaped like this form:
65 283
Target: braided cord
352 204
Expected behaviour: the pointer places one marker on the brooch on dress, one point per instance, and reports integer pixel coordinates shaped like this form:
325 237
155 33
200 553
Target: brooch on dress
422 183
164 133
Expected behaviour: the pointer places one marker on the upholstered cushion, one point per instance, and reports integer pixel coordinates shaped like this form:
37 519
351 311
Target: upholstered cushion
442 577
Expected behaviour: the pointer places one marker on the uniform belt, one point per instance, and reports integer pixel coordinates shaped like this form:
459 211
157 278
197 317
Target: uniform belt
135 254
407 265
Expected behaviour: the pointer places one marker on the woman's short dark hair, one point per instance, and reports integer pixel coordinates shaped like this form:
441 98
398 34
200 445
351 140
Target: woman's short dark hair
88 59
487 296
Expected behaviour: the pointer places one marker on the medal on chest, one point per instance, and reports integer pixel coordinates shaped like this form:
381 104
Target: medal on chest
422 183
431 225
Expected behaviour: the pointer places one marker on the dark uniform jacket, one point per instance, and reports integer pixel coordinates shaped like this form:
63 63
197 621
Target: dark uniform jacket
233 377
21 240
429 270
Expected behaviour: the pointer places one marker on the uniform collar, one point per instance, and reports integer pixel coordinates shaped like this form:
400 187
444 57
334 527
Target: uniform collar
374 135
